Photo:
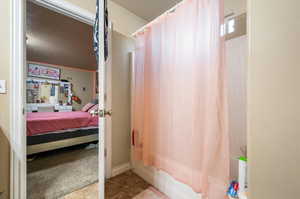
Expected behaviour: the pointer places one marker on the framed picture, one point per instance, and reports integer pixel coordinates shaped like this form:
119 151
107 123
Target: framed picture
36 70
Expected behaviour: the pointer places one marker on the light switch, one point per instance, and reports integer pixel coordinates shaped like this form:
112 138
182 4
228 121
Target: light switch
2 86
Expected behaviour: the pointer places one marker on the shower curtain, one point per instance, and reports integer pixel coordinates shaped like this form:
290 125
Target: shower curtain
179 98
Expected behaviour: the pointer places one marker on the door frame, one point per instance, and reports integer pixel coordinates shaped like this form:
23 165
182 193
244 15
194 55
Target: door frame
18 162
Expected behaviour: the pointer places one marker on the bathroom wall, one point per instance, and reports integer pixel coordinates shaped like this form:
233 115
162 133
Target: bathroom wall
124 21
235 6
4 165
236 63
121 47
273 99
5 34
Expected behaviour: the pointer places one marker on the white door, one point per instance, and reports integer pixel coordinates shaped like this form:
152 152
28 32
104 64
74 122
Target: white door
101 97
108 105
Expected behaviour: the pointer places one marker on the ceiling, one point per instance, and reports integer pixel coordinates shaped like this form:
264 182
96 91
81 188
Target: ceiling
150 9
57 39
147 9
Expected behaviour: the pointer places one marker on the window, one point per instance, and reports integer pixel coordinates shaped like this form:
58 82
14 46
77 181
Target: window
230 26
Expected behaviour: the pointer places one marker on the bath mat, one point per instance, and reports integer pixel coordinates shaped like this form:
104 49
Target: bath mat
151 193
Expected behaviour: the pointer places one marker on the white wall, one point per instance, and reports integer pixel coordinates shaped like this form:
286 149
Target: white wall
273 99
121 47
235 6
124 21
236 63
89 5
5 33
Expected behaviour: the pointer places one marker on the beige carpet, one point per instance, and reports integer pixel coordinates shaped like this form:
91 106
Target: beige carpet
61 172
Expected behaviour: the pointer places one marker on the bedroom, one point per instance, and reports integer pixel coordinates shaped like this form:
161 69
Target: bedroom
61 104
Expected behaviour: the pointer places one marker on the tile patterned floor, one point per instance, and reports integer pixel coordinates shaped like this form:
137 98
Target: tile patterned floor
124 186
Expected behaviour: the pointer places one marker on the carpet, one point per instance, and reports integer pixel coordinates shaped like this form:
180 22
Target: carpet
57 173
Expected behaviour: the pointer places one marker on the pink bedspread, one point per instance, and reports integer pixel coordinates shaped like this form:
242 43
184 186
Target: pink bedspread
39 123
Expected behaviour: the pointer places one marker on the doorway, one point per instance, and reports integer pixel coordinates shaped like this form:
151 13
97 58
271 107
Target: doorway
19 151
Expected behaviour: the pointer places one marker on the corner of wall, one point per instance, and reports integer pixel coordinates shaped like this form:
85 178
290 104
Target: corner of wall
124 21
4 166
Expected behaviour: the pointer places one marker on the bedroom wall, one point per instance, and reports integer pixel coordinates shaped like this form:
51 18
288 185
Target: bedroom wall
80 79
121 47
4 98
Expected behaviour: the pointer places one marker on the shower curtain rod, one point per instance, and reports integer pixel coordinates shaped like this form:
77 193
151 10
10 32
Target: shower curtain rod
167 12
150 23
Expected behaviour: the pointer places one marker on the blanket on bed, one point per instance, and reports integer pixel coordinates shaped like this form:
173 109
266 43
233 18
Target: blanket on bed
39 123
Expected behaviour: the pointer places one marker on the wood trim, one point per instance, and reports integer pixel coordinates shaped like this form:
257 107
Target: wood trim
17 97
121 169
66 8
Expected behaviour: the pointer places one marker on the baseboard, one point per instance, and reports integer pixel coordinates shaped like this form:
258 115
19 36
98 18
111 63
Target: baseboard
120 169
165 183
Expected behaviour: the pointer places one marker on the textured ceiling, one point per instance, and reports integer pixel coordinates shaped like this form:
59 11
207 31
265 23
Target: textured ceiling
57 39
147 9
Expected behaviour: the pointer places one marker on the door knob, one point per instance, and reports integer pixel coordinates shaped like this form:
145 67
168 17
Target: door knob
104 113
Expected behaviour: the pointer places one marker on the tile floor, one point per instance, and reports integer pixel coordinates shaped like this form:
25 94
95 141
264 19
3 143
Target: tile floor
124 186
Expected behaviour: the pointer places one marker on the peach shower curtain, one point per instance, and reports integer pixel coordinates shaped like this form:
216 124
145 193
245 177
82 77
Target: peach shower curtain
179 101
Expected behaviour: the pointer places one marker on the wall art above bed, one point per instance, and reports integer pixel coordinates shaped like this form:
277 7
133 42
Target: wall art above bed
36 70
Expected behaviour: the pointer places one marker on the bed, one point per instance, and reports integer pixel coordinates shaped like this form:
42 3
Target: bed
53 130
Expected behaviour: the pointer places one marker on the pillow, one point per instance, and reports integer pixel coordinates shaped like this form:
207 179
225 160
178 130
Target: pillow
94 108
95 101
87 107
